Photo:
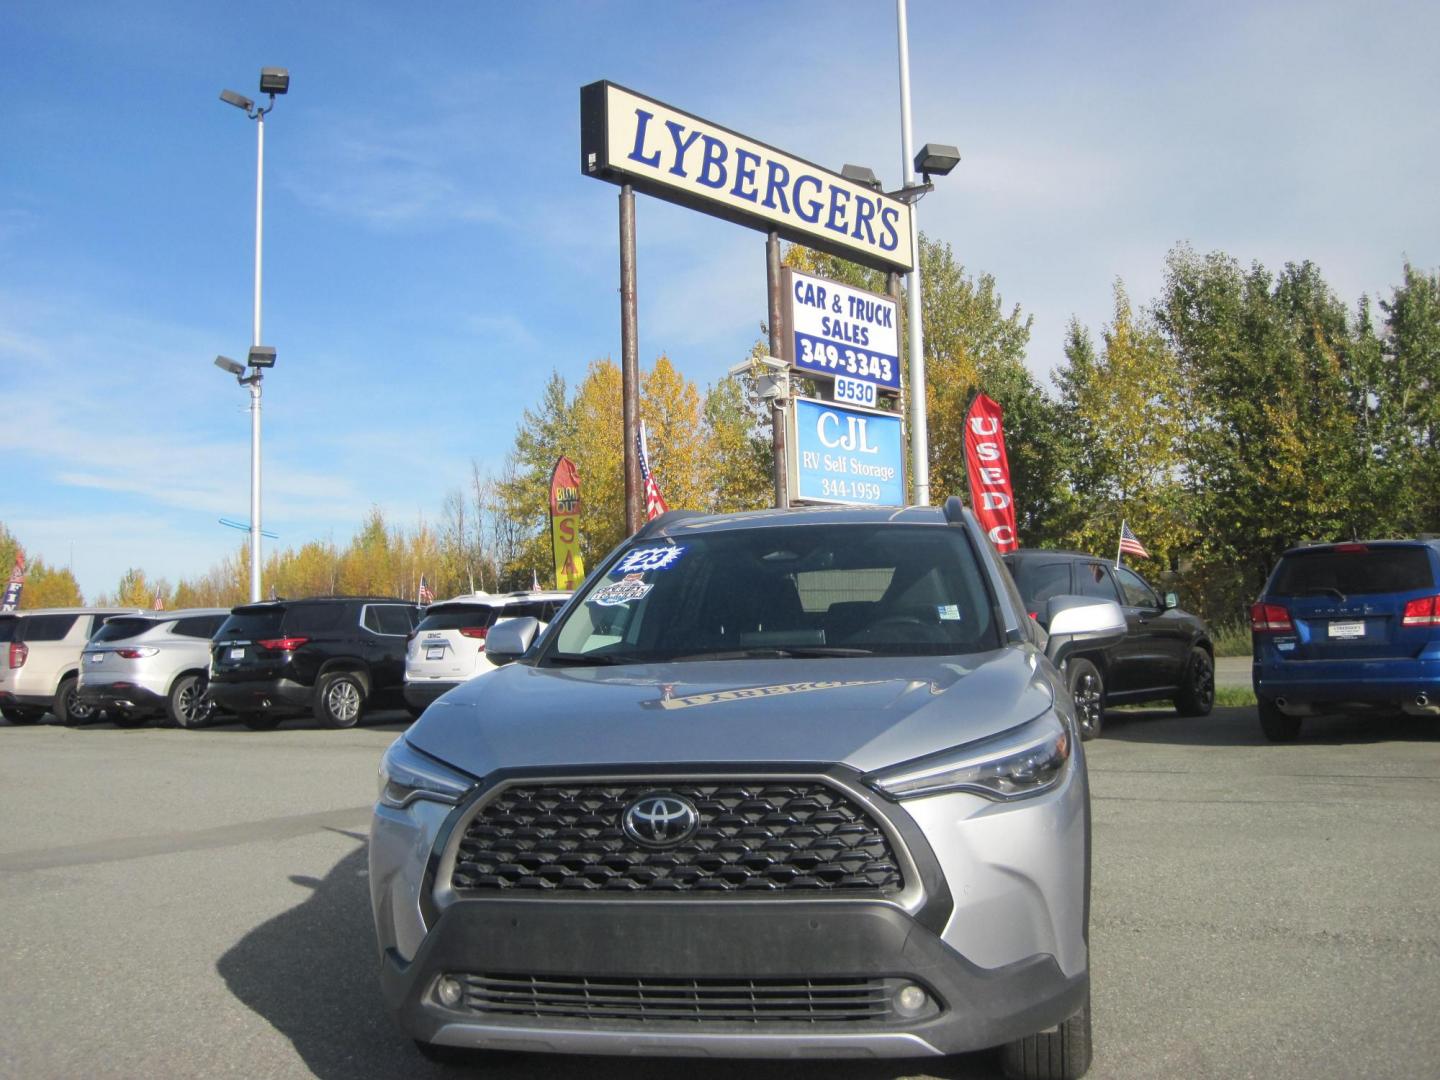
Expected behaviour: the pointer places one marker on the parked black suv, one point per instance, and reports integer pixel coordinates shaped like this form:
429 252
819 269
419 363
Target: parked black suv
330 655
1166 654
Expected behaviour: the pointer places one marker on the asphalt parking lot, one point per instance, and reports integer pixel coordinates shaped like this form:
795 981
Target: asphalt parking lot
194 904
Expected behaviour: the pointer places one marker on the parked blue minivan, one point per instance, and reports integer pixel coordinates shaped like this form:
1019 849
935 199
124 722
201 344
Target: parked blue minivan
1343 628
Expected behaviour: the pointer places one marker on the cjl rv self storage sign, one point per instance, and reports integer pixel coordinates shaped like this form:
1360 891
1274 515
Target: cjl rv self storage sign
627 138
841 332
846 455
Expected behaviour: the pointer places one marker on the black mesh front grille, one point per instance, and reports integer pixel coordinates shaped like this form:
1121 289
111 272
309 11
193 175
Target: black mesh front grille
762 836
815 1001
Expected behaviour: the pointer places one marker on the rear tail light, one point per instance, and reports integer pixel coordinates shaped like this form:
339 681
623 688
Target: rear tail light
282 644
478 632
1270 619
19 653
136 653
1422 612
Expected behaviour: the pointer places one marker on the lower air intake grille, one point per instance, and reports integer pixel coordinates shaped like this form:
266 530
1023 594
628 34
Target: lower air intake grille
762 836
818 1001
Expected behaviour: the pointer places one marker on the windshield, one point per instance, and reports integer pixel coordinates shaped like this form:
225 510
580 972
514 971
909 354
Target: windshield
453 618
252 623
1360 570
813 590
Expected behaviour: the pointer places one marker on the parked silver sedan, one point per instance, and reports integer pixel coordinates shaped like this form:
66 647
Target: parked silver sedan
799 783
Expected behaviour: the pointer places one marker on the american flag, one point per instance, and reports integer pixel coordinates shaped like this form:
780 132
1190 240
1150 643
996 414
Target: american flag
655 504
159 604
425 595
1130 544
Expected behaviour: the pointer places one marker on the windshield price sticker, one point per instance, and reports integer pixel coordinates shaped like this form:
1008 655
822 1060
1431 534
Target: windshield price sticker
631 587
837 330
642 560
854 391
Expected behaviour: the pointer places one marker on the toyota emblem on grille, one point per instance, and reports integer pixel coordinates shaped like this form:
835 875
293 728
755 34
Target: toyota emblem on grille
660 820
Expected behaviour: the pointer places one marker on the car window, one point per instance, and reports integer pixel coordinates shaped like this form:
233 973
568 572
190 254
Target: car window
534 609
198 626
118 629
44 627
1360 570
1137 592
303 619
875 588
252 624
7 629
454 616
1038 581
1093 579
393 619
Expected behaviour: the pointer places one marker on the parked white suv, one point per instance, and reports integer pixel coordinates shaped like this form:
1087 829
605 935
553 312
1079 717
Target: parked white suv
151 664
42 663
448 646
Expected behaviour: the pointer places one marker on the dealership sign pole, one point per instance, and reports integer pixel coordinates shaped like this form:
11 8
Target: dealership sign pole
647 146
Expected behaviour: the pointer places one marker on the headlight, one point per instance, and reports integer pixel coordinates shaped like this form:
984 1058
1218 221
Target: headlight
1014 764
407 774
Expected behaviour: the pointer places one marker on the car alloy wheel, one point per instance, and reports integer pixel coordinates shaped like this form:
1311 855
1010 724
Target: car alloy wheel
1088 689
1197 695
342 699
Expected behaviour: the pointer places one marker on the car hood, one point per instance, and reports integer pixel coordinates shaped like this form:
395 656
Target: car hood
865 712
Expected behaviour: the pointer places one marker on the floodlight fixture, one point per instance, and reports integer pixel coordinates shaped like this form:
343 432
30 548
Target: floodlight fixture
861 174
936 159
224 363
240 101
262 356
274 80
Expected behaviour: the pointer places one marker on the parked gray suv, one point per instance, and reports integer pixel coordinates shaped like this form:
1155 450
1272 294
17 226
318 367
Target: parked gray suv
151 664
793 783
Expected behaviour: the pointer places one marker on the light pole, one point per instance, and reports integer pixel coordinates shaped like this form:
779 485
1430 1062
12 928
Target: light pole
273 81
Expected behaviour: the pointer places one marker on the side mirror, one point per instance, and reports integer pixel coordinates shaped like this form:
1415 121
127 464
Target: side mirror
1171 601
509 640
1077 622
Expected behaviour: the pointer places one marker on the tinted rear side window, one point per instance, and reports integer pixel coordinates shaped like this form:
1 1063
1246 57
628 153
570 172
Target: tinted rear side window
7 629
453 618
120 629
388 619
198 626
316 618
1375 570
252 625
1093 579
45 627
1039 581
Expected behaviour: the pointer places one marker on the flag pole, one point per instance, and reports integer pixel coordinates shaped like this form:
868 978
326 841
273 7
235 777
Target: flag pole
1120 547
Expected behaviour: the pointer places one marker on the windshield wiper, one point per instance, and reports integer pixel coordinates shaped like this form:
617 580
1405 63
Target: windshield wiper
771 653
587 659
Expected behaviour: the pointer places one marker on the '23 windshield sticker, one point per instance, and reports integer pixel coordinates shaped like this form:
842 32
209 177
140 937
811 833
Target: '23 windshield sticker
642 560
631 587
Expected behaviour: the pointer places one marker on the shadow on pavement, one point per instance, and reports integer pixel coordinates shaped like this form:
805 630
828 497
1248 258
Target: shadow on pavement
1240 726
311 973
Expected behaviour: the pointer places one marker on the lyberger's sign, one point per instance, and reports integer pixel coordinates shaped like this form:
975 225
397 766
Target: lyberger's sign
630 139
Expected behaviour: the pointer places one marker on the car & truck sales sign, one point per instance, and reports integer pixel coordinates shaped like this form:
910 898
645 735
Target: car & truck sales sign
627 138
847 334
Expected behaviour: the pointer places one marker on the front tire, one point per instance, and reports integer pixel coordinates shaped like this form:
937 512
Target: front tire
187 706
68 708
340 701
1197 690
1275 724
1087 687
1062 1054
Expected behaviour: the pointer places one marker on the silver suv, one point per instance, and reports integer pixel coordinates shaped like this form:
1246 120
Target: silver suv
448 646
41 665
794 783
151 664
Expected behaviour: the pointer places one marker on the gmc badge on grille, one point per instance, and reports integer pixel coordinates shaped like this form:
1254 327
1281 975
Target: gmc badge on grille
660 820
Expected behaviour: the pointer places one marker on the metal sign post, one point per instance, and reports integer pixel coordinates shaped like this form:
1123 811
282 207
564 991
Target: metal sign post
629 360
776 321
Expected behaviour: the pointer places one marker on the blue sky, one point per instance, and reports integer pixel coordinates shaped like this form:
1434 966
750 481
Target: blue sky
432 251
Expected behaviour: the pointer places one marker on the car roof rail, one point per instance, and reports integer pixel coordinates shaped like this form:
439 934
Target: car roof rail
654 525
954 510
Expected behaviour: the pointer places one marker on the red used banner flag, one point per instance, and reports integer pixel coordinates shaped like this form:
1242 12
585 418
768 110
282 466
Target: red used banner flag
989 472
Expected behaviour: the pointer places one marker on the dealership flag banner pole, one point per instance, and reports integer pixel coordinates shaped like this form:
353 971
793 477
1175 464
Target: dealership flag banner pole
988 469
565 525
17 582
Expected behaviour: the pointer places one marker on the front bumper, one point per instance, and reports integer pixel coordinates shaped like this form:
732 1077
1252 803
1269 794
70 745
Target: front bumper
262 696
722 939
